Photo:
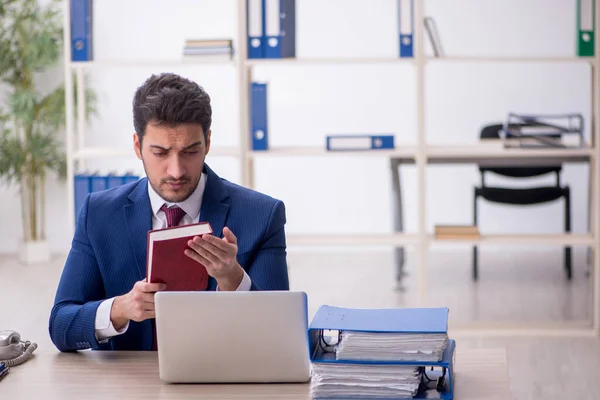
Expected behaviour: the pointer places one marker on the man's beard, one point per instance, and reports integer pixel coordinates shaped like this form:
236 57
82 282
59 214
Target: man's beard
182 194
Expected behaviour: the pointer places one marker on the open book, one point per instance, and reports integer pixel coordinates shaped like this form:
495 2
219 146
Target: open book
167 262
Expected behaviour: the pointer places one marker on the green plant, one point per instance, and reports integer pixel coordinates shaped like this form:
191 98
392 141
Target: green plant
31 42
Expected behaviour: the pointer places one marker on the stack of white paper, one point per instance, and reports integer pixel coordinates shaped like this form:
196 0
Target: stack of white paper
337 380
382 346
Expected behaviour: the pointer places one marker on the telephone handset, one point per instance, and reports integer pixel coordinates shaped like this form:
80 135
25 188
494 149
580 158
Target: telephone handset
14 351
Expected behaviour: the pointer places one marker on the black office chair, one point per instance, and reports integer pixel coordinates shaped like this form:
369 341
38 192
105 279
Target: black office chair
521 196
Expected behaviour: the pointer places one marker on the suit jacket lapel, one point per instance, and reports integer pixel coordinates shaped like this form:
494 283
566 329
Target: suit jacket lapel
138 215
214 208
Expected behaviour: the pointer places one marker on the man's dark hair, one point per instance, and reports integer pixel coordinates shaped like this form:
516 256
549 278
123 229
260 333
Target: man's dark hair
170 99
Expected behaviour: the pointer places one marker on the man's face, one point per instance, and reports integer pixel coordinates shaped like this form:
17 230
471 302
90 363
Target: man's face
173 158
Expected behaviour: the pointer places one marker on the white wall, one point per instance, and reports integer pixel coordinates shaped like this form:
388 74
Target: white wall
307 102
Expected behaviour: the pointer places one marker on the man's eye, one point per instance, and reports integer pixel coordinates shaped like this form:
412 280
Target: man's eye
160 154
192 152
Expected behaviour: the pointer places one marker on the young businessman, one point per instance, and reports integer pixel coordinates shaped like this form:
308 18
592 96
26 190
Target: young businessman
103 300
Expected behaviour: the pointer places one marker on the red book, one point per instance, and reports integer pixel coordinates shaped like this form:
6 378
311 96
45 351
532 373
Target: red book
167 262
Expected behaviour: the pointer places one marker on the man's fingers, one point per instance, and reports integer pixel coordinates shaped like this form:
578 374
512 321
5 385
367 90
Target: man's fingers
144 297
195 256
229 236
152 287
211 247
215 241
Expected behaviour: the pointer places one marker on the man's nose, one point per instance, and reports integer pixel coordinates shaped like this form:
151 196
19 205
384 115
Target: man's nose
176 168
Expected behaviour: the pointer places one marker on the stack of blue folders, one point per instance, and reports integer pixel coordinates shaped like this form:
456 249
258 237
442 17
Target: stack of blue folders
401 353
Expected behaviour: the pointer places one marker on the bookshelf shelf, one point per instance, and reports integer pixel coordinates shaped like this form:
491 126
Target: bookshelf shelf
523 239
151 63
392 239
328 60
401 152
495 152
420 153
103 152
515 59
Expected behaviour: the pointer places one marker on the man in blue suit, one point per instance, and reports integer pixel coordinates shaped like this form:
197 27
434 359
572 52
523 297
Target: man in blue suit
103 300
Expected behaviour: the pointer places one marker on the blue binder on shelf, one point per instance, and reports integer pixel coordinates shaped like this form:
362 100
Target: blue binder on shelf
279 28
130 177
82 187
392 320
258 116
255 28
359 142
86 183
81 30
406 27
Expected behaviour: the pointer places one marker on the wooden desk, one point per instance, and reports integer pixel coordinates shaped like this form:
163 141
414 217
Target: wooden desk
479 375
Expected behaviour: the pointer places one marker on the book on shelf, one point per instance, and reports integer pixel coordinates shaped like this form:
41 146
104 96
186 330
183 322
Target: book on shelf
259 120
209 48
271 28
81 27
86 182
381 353
406 28
167 261
586 10
357 142
467 232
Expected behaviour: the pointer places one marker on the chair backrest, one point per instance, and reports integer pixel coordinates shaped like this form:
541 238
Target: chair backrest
493 132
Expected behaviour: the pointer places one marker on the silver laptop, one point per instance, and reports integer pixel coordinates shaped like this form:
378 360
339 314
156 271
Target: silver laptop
232 337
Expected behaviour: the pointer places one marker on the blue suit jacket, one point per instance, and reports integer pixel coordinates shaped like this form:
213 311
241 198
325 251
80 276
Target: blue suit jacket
108 255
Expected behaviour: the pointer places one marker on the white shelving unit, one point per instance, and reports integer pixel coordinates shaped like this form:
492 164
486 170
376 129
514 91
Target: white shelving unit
420 153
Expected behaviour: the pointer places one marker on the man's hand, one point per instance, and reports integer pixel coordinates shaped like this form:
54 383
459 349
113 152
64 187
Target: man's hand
137 305
219 258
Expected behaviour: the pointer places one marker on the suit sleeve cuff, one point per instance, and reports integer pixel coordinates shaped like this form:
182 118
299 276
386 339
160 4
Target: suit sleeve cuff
245 285
103 326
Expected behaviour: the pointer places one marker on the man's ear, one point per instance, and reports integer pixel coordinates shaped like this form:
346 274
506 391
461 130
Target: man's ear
207 141
137 145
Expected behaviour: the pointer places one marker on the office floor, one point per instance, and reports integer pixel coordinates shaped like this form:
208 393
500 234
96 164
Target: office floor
519 286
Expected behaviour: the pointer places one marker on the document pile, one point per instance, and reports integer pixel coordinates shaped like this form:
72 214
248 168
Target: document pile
381 353
362 380
543 131
391 346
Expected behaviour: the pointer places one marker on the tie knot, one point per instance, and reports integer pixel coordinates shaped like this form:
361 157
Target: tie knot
174 214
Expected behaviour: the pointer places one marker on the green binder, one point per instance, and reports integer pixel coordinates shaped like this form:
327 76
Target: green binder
585 27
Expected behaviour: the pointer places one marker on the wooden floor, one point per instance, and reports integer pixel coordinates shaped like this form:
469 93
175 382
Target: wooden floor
518 287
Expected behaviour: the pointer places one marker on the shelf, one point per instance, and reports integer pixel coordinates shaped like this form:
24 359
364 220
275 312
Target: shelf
519 239
495 153
518 59
399 239
378 239
400 152
99 152
151 63
318 61
329 60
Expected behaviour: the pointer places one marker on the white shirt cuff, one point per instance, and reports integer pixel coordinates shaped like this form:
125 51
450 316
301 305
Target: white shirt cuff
103 326
245 284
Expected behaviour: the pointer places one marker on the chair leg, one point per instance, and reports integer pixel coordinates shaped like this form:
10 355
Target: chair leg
568 258
475 252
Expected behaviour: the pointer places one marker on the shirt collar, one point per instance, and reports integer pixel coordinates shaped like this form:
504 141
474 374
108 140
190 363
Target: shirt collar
191 205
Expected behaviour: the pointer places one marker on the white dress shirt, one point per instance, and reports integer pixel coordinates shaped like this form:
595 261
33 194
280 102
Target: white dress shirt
103 326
